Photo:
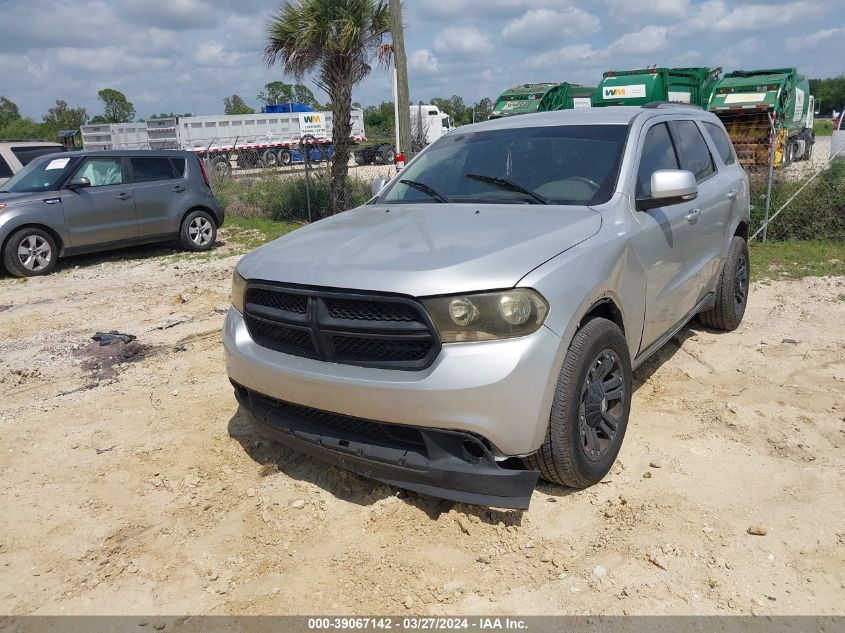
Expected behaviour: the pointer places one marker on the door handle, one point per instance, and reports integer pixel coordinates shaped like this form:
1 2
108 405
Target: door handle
124 196
733 194
179 188
692 216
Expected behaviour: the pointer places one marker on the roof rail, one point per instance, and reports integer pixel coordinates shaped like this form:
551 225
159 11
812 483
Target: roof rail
653 105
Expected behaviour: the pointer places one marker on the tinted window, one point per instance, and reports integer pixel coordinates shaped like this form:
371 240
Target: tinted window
102 171
722 143
568 164
658 153
693 153
179 167
5 170
151 169
27 154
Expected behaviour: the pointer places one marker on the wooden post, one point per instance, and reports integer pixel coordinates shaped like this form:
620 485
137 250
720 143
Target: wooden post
403 102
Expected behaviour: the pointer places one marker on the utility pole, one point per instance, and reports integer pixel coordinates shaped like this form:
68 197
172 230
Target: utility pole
403 101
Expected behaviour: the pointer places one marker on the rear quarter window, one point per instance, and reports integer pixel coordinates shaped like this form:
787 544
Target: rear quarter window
178 167
27 153
5 170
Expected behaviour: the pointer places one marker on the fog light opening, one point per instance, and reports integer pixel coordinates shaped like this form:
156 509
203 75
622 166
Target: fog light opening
473 450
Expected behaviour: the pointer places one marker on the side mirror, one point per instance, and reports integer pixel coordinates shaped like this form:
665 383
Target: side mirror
78 183
668 187
379 184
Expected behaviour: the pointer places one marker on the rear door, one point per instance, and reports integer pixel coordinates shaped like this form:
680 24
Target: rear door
161 193
667 241
717 189
105 211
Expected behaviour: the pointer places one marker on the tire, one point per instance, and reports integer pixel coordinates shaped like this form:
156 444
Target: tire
220 166
30 252
269 158
284 157
583 414
731 291
388 155
198 231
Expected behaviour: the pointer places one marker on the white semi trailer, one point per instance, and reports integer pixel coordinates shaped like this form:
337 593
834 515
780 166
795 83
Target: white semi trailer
231 141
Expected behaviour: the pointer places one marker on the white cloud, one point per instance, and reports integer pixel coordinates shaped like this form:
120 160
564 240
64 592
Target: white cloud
537 26
568 56
716 16
423 61
214 54
647 40
665 8
824 36
462 42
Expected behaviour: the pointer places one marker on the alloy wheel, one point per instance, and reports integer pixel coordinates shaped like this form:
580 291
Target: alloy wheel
199 230
35 253
602 402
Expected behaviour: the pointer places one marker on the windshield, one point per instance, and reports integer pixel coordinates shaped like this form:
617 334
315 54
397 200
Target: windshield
568 164
39 175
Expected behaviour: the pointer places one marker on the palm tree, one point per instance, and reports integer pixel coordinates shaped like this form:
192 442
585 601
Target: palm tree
335 40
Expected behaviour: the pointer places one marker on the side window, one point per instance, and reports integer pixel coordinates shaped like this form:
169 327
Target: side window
178 167
151 169
722 143
5 170
28 153
102 171
692 149
658 153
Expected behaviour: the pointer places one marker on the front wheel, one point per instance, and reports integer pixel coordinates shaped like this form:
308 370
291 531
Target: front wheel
590 408
732 290
198 231
30 252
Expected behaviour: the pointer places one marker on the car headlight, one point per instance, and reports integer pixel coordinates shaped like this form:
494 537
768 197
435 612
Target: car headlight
487 316
238 291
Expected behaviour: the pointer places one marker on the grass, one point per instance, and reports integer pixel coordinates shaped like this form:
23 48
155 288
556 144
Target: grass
823 127
795 260
253 232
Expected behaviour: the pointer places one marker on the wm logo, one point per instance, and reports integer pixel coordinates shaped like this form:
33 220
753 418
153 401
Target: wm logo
614 92
312 118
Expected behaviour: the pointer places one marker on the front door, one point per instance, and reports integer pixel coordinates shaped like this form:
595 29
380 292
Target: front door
669 241
103 212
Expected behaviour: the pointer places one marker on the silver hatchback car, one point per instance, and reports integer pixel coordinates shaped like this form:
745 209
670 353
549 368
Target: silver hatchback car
475 325
80 202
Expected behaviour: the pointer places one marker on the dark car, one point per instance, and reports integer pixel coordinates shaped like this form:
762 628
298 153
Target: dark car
383 154
73 203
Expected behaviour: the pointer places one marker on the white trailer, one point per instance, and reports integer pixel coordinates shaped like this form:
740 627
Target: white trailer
428 124
244 140
251 140
115 136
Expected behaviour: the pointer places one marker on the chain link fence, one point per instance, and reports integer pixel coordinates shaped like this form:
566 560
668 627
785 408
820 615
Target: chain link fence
289 184
797 196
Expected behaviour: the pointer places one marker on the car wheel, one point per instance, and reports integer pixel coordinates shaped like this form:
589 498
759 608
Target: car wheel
30 252
590 408
198 231
388 155
732 290
285 158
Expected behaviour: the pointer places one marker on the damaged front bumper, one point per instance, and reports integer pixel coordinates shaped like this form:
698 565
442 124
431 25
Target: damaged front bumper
454 465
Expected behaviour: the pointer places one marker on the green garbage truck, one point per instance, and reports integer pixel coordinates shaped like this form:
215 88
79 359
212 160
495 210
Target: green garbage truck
542 97
757 106
638 87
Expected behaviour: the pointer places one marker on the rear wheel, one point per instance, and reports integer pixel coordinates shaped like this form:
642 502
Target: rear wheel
220 166
269 158
590 410
30 252
198 231
285 158
732 290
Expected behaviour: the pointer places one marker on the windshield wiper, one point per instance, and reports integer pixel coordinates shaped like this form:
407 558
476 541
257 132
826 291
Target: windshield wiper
425 189
509 186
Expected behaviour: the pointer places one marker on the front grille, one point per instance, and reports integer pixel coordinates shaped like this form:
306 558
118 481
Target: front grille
342 327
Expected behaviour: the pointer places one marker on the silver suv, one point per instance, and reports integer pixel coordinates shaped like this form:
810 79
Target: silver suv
475 325
79 202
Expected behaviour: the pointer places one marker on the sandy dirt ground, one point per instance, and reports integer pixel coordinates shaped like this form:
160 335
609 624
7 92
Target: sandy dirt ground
130 485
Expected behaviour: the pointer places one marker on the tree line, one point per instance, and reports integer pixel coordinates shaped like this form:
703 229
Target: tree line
379 119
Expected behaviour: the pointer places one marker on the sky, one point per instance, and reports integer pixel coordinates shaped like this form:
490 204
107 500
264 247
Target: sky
186 55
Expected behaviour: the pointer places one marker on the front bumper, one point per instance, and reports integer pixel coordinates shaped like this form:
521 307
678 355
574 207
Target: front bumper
499 390
447 464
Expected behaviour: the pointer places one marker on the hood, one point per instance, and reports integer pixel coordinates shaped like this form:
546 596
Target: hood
422 250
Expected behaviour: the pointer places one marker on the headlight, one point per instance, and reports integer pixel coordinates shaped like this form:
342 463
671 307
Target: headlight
238 290
488 315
